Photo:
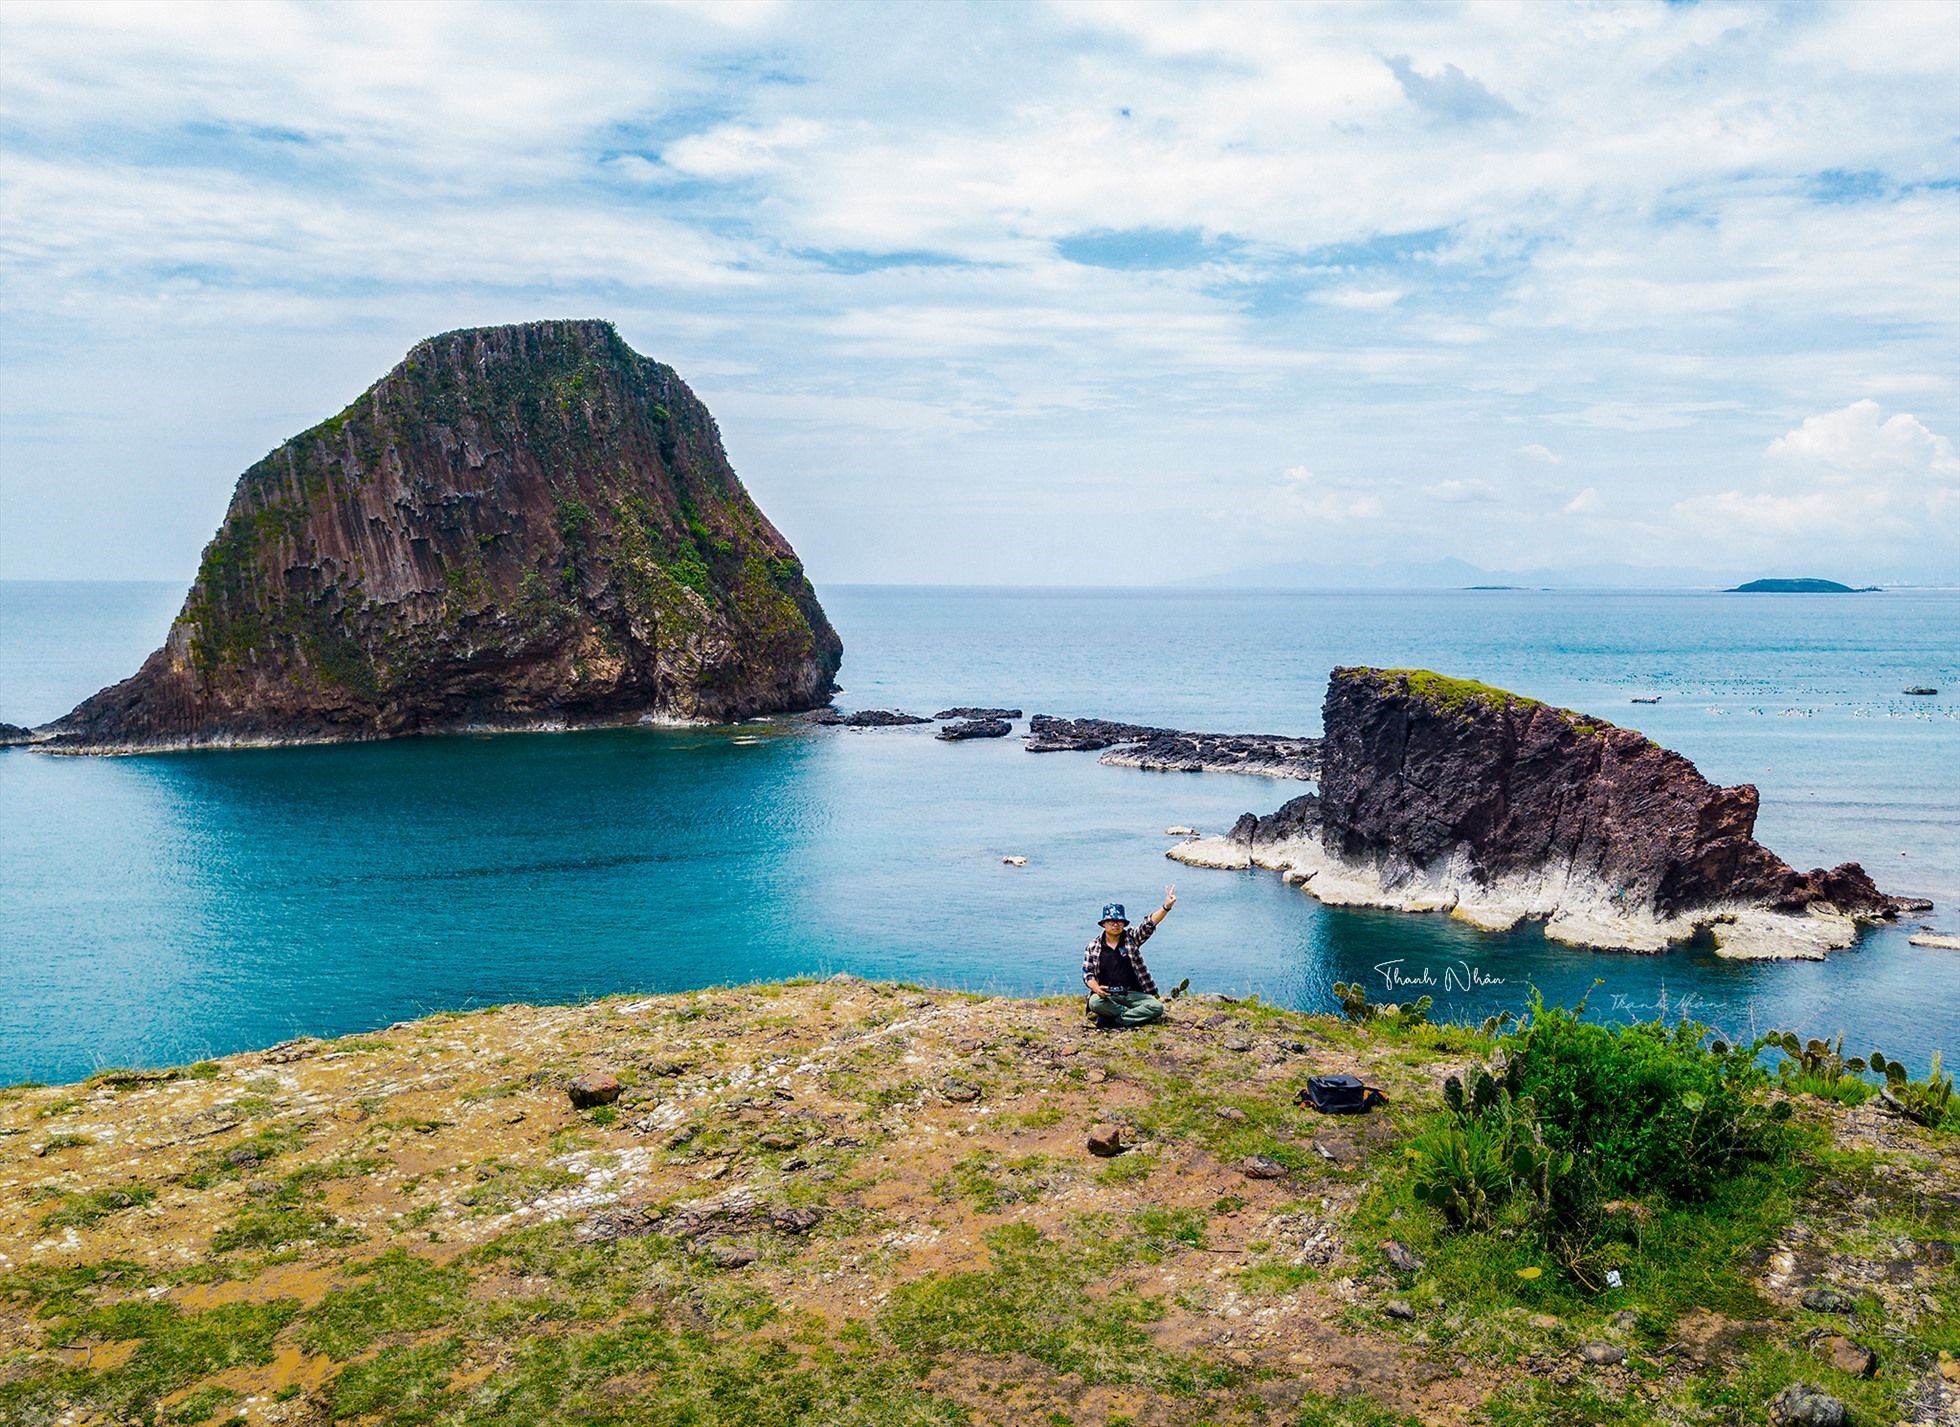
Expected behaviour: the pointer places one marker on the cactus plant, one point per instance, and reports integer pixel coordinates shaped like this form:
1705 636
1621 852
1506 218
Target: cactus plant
1924 1102
1353 997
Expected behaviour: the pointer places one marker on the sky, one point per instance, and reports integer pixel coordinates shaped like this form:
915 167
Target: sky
996 294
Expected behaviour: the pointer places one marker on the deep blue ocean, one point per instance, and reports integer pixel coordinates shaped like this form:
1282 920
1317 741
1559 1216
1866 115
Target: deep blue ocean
158 909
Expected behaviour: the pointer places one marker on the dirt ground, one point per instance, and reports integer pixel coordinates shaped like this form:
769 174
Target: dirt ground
815 1152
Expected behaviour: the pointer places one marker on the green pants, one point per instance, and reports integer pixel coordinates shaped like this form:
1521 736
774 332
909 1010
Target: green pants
1122 1007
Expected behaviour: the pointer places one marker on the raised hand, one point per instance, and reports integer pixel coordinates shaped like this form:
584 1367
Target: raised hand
1170 898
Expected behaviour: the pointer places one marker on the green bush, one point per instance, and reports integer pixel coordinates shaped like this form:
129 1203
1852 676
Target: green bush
1650 1108
1583 1111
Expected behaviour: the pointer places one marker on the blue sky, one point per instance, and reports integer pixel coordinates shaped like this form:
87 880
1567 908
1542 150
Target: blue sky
1070 294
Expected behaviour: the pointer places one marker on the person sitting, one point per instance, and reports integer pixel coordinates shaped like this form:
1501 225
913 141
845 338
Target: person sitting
1121 991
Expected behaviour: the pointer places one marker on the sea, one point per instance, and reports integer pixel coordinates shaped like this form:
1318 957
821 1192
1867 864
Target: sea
156 910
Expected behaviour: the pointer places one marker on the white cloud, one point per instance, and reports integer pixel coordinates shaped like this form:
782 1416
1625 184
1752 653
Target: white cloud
1358 299
1617 218
1460 492
1587 502
1300 497
1847 477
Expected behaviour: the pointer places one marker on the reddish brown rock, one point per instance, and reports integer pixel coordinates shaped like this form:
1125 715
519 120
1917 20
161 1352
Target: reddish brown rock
1440 794
518 527
598 1087
1106 1141
1417 767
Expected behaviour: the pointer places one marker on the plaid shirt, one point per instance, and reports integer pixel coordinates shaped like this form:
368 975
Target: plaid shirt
1130 946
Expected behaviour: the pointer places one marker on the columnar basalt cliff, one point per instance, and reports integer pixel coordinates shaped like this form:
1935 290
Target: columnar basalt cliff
1440 794
524 526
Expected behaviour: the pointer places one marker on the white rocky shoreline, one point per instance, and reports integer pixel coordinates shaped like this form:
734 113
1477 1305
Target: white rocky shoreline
1576 911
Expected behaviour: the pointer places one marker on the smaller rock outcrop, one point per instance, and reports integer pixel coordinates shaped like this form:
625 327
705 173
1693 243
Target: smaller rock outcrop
975 728
972 713
1447 795
12 735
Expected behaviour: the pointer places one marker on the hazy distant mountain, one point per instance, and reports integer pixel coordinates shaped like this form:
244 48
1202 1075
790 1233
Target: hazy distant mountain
1454 574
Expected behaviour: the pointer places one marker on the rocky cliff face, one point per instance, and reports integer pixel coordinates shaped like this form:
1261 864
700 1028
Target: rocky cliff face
1441 794
526 526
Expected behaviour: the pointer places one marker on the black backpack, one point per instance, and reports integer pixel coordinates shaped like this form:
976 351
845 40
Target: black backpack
1340 1095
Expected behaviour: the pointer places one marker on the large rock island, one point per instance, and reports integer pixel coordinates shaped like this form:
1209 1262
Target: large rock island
1441 794
518 527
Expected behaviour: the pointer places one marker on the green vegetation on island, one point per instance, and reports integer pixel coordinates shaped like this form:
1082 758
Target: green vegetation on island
1795 587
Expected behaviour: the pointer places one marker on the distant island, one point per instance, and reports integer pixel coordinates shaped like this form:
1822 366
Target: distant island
1798 587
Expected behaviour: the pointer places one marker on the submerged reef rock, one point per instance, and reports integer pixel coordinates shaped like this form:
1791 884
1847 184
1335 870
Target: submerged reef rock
864 718
1048 734
518 527
1441 794
966 728
1170 750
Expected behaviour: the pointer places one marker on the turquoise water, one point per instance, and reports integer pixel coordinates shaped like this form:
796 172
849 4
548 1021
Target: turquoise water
163 908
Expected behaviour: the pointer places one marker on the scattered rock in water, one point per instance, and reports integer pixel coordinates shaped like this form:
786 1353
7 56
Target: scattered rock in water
1923 691
1015 860
595 1088
1170 750
1603 1355
960 1092
1399 1308
1259 1166
1400 1257
864 718
1803 1404
1106 1141
975 728
1827 1300
1048 734
1846 1356
1180 832
1264 755
1935 940
968 713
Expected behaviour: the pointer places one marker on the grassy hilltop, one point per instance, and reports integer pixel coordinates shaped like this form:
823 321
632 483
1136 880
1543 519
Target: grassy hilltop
851 1203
